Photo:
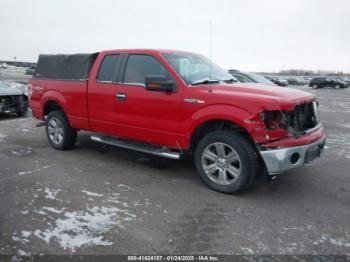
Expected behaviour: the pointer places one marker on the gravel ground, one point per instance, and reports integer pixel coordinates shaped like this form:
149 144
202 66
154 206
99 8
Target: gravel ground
97 199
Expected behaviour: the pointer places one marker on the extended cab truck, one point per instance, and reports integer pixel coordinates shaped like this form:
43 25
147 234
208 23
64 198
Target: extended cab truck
170 102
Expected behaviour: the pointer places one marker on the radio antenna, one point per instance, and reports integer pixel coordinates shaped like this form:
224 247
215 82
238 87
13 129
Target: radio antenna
210 51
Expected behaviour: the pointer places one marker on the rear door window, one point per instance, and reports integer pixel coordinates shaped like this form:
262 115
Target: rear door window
140 66
109 69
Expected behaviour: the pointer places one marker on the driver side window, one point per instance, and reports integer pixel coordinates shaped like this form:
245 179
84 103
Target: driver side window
140 66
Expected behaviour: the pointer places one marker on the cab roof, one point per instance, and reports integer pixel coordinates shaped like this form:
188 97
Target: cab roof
150 51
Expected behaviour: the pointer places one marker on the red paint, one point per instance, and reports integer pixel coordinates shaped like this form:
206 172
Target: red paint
298 141
164 118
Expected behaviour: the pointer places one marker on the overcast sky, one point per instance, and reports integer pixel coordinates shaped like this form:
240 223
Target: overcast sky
256 35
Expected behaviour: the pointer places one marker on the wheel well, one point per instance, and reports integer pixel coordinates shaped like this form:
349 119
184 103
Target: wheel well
215 125
51 106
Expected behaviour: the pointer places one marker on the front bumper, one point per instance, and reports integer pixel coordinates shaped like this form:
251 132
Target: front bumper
9 104
280 160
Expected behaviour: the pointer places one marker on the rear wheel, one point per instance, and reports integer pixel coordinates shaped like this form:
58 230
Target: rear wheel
314 86
59 133
337 86
226 162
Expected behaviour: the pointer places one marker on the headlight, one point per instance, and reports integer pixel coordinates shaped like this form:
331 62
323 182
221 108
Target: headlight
273 120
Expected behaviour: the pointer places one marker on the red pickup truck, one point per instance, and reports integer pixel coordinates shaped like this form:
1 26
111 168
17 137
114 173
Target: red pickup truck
166 103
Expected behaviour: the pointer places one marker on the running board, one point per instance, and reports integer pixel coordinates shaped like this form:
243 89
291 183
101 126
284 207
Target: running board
137 146
42 123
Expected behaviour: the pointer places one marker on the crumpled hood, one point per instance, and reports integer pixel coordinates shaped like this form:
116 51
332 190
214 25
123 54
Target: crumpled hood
283 96
10 91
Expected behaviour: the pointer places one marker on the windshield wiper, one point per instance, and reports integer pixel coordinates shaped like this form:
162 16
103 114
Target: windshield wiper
228 81
205 81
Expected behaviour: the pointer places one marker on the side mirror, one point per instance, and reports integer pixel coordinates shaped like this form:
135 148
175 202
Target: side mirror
159 83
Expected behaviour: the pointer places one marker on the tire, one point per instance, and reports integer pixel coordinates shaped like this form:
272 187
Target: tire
219 175
314 86
337 86
59 133
22 106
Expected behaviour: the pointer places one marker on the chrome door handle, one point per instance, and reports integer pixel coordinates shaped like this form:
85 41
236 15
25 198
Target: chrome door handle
121 96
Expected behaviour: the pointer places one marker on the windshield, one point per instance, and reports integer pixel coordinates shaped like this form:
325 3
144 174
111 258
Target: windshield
195 68
3 84
258 78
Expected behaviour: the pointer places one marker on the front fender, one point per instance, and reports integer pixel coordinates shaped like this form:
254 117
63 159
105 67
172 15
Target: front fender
223 112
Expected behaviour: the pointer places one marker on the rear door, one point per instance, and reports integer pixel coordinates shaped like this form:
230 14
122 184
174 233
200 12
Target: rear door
102 89
150 116
328 82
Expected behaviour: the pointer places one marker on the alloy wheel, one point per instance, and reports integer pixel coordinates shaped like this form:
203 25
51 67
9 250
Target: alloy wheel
55 130
221 163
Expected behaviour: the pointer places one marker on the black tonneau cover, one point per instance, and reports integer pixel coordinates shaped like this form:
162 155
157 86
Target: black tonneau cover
65 67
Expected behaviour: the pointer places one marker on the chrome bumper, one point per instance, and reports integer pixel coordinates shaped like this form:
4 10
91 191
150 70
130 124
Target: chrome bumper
280 160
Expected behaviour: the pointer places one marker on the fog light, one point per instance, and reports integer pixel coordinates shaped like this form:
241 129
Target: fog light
295 158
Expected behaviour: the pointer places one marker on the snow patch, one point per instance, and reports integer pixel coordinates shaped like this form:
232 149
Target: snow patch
22 151
51 194
24 173
23 238
53 210
25 130
80 228
25 233
88 226
40 212
247 250
2 137
20 240
346 125
122 186
337 242
23 253
20 255
92 193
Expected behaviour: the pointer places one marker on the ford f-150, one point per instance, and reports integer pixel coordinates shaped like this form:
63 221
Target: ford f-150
168 103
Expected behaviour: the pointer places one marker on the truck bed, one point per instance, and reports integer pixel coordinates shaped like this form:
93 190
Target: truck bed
72 95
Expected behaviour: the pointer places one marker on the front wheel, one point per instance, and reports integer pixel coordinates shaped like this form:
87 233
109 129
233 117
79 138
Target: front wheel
314 86
59 132
226 162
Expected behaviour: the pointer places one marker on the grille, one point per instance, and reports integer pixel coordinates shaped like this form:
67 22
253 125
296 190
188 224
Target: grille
9 101
303 118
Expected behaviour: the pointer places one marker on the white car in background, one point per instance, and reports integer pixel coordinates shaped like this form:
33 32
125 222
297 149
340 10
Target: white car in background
13 98
3 66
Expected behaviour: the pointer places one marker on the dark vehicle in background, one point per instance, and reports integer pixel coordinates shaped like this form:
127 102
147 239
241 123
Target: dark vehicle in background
30 70
295 82
13 99
240 76
346 80
277 81
324 81
248 77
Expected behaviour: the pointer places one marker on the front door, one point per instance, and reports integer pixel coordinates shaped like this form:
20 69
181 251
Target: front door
149 116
